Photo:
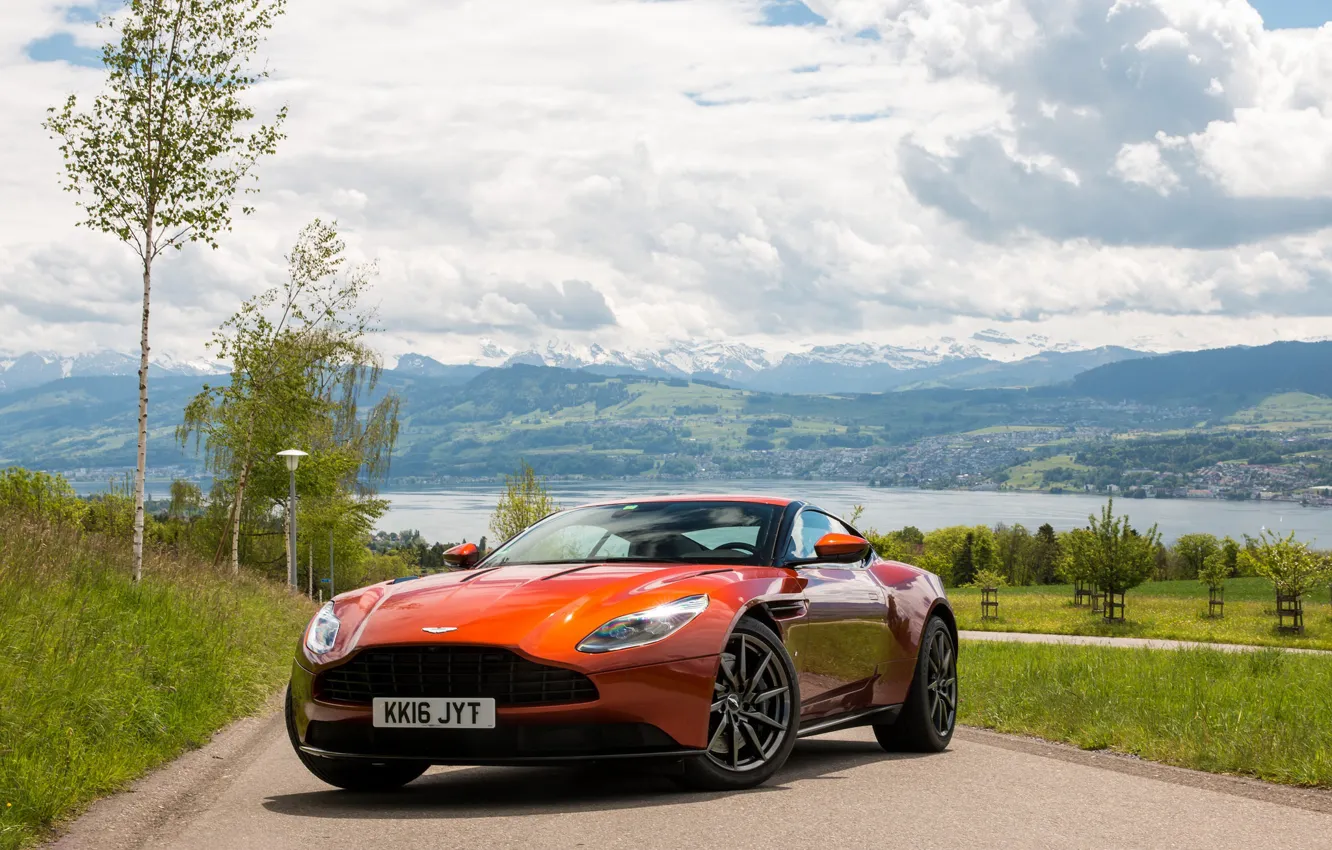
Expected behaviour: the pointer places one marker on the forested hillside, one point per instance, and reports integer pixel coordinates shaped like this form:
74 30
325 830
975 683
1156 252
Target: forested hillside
1219 378
580 422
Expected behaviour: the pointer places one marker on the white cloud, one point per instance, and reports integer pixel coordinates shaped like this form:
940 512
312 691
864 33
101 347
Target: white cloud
1141 163
631 172
1269 153
1165 37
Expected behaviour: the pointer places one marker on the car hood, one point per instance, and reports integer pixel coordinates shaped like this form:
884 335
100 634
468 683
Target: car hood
517 606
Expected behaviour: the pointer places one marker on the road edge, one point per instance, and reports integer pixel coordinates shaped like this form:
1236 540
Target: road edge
1293 796
163 800
1161 644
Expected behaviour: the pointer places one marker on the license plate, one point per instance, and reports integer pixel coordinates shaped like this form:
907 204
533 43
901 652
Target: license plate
434 713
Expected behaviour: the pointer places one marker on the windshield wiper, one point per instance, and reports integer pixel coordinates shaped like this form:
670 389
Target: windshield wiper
621 560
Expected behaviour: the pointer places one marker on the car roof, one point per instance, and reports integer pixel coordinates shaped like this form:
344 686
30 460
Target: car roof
697 497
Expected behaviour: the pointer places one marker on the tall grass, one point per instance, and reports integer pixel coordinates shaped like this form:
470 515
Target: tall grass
102 679
1265 714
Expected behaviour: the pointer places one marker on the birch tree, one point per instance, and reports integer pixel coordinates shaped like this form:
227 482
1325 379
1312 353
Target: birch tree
299 367
157 158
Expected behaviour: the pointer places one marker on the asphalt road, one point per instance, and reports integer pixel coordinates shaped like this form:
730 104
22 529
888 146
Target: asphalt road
988 791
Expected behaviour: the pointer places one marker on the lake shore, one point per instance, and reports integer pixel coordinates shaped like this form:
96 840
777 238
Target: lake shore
451 514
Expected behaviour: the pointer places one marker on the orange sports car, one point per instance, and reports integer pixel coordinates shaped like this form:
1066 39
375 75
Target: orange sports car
708 631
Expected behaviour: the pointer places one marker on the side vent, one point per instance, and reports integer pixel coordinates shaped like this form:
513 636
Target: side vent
787 609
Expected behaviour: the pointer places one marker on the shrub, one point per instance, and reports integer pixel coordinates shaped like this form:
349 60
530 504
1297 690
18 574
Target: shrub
1191 553
891 546
40 495
524 502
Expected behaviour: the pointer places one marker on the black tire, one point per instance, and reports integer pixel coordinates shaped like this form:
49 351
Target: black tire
353 774
755 717
929 715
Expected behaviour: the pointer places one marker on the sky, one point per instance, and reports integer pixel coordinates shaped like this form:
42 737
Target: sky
1152 173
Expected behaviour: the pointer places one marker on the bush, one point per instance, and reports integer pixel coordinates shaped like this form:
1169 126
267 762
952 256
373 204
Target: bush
1191 551
892 547
525 501
40 495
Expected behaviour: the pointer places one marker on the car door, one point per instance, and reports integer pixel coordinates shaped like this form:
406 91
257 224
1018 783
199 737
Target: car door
836 645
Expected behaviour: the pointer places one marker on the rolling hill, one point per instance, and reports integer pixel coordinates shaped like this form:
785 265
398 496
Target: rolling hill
477 421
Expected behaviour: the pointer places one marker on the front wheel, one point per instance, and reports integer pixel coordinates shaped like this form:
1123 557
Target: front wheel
353 774
755 713
927 719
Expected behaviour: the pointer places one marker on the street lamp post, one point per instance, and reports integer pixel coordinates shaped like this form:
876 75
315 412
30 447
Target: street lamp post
293 459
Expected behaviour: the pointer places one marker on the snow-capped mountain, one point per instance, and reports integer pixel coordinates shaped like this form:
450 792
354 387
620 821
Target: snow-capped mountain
733 361
739 361
34 368
983 345
986 358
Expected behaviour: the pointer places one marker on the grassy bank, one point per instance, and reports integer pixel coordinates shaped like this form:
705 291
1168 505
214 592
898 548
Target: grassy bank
1264 714
1173 610
103 680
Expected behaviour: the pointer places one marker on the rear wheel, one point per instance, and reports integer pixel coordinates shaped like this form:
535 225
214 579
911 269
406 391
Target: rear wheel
926 721
353 774
754 717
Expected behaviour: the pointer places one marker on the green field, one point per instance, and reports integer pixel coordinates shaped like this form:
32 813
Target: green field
1264 714
1031 475
104 680
1170 610
726 429
1286 411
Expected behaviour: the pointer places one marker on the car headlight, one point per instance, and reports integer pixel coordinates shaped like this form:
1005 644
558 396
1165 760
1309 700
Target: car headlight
323 631
644 627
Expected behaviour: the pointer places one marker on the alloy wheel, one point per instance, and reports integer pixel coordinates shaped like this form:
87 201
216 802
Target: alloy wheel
941 683
751 709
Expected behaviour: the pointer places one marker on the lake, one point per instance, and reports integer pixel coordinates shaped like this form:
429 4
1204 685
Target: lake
463 512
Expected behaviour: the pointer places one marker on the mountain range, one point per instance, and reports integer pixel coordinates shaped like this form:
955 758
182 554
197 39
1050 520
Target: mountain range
35 368
470 420
987 359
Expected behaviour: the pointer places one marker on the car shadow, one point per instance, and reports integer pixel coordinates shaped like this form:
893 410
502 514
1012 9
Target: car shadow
480 792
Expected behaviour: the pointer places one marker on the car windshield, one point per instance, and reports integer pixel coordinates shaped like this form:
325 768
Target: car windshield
691 531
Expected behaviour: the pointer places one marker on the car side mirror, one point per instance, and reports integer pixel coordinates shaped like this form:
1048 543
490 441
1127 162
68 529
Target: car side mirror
841 548
463 556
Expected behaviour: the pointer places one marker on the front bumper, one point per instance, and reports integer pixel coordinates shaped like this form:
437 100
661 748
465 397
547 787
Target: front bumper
653 710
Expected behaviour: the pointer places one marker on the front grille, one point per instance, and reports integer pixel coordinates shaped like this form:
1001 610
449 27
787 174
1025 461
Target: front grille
453 671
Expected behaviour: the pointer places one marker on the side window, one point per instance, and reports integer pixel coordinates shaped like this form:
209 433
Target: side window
809 526
842 528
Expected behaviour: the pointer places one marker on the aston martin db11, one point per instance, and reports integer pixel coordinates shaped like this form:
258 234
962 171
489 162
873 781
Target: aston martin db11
710 631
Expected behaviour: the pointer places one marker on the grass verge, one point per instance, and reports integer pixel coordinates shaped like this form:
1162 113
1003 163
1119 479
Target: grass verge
1264 714
104 679
1168 610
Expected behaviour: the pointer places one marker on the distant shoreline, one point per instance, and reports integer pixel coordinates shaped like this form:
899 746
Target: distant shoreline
157 487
